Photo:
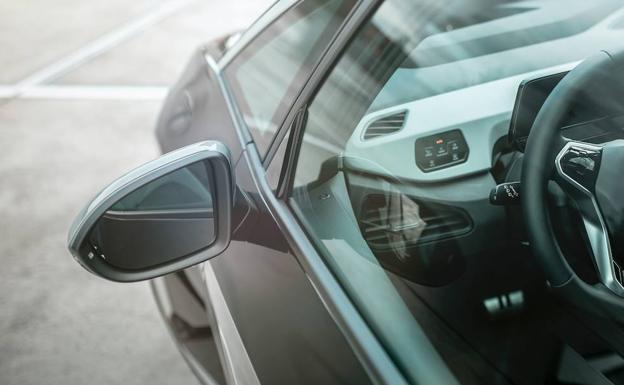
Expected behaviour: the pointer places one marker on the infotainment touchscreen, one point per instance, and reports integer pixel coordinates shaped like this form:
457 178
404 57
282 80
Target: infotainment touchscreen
531 96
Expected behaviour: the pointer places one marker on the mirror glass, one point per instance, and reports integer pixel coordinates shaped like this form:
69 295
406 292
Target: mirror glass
165 219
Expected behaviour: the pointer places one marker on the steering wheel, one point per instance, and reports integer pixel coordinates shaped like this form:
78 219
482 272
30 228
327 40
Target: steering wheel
592 175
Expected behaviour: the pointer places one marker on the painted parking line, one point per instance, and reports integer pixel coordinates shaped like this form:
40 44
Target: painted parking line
7 92
95 48
86 92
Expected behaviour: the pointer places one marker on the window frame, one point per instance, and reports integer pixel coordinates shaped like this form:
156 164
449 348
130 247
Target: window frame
286 138
242 51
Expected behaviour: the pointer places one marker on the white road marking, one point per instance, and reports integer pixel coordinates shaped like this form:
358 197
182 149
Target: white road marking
85 92
7 92
98 46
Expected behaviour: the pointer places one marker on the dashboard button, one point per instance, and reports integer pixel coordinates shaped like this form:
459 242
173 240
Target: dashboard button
441 150
453 146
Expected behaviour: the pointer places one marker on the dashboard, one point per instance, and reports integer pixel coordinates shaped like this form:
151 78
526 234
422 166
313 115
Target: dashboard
457 134
398 139
440 157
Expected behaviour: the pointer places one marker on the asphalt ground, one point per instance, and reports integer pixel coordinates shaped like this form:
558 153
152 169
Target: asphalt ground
81 84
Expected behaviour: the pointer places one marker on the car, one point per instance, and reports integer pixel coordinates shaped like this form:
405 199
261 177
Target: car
386 192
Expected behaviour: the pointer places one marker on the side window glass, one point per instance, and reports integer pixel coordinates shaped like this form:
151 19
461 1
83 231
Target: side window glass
402 145
268 73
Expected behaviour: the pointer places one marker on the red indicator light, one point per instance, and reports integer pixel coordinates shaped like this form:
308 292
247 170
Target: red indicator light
439 141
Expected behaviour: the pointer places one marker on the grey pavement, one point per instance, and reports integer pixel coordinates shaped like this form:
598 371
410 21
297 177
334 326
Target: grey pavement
58 323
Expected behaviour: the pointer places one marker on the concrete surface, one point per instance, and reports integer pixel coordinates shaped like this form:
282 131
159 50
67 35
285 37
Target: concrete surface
58 323
177 36
34 33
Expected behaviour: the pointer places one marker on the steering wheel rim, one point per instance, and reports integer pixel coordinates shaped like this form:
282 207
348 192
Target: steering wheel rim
546 158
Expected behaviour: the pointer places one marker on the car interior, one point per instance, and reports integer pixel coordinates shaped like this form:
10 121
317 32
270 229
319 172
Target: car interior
412 186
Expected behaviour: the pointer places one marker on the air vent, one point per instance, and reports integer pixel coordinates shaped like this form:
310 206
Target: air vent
397 222
385 126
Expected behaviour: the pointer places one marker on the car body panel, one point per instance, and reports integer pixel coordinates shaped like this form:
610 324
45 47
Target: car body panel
288 334
197 108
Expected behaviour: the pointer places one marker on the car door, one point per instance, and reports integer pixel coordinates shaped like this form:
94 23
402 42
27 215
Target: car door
274 328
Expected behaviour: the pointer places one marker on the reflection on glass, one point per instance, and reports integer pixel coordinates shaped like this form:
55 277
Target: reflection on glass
187 188
422 253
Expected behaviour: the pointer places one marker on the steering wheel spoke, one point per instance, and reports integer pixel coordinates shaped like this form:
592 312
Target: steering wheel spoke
577 167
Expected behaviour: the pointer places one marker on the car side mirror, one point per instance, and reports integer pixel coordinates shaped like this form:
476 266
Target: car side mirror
166 215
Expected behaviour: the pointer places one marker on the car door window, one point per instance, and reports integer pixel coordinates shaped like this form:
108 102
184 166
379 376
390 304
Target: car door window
267 74
403 143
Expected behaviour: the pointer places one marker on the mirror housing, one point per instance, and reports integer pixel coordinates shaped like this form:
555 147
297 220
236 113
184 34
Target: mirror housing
166 215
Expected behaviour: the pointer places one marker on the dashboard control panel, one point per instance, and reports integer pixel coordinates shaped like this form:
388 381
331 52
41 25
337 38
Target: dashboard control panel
441 150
